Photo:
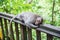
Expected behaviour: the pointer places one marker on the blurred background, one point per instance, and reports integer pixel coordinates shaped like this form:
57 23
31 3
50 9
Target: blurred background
41 7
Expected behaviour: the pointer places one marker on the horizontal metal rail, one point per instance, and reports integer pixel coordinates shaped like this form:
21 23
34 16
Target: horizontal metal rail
47 28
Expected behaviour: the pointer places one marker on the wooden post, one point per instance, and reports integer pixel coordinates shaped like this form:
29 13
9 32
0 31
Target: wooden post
23 32
29 31
17 31
38 35
49 37
1 23
6 28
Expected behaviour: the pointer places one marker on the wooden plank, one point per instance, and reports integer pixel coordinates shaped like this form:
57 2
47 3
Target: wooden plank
23 32
1 23
38 35
29 31
49 37
11 33
17 31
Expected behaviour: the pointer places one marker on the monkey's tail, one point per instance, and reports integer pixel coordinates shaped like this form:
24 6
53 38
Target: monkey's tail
12 20
10 24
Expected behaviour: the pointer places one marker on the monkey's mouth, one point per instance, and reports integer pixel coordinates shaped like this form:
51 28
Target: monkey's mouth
35 24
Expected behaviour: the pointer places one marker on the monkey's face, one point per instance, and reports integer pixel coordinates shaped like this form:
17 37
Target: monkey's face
38 21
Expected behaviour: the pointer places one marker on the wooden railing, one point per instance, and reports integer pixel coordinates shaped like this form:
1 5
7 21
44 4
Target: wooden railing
22 32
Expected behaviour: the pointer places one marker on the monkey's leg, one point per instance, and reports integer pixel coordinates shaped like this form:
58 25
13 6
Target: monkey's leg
29 22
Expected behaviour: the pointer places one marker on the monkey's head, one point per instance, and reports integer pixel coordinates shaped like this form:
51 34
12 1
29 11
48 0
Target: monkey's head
39 20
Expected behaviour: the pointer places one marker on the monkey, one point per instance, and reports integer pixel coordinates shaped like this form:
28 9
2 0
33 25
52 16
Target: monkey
29 18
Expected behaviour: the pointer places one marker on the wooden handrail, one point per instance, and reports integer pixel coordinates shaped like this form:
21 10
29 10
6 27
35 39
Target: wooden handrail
47 28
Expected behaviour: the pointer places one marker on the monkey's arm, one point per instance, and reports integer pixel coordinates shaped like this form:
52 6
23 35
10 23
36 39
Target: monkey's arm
29 23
